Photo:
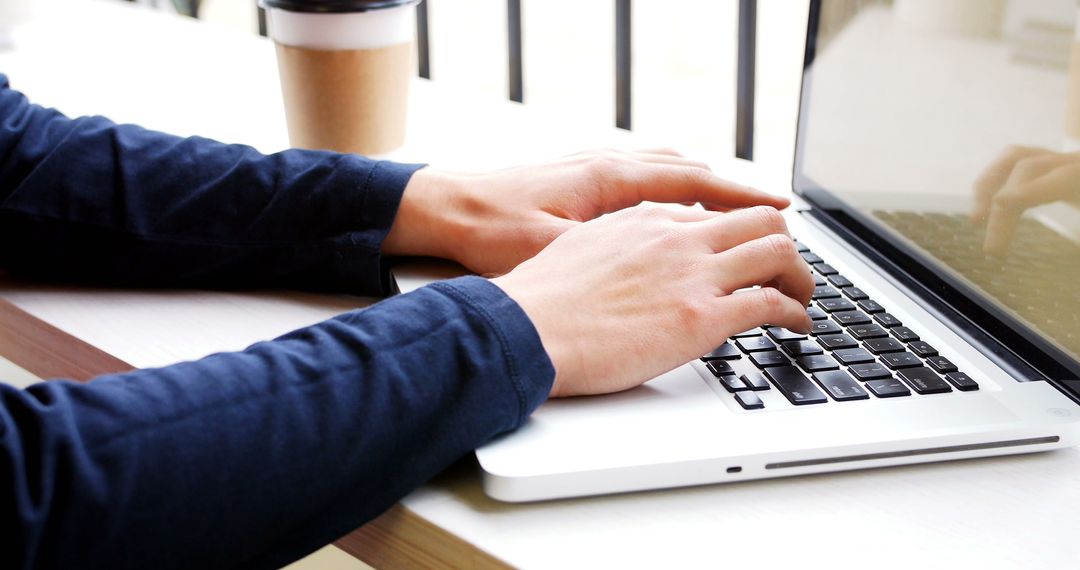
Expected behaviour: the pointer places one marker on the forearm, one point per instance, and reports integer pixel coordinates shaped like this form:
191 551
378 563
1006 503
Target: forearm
254 458
86 199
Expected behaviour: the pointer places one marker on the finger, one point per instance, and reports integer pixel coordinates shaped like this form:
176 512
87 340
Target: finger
675 160
994 176
660 150
771 259
1007 207
676 184
748 309
733 228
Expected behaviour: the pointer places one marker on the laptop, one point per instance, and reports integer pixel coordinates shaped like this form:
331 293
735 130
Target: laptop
925 348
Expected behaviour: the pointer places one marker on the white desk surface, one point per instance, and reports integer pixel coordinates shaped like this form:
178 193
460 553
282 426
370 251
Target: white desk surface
88 56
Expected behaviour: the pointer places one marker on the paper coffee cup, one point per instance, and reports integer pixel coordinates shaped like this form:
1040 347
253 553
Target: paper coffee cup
345 68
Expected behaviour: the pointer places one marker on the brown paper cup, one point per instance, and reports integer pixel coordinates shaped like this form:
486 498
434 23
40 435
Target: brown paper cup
344 75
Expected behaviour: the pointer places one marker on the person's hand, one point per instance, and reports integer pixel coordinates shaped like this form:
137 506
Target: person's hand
493 221
1018 179
624 298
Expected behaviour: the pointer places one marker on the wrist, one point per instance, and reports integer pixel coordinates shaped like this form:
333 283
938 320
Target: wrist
560 347
425 224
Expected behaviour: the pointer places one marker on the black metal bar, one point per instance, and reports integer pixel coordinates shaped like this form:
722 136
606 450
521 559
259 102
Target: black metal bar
623 78
423 47
513 37
744 94
261 14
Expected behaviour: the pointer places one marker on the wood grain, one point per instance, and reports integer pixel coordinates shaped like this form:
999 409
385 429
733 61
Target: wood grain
401 539
48 352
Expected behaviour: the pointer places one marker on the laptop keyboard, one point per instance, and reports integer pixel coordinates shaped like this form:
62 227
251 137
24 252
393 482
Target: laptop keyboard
855 350
1030 279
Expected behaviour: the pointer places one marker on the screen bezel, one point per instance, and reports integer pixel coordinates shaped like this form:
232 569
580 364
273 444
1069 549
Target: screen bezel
1012 344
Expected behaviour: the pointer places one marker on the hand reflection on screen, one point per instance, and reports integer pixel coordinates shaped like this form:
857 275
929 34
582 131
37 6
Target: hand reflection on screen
1020 178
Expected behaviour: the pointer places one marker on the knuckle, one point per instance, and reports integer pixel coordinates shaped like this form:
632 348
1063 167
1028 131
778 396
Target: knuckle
771 219
671 239
1004 201
778 246
770 301
602 168
1026 167
693 313
696 175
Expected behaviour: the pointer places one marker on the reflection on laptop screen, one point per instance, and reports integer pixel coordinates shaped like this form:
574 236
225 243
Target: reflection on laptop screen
954 128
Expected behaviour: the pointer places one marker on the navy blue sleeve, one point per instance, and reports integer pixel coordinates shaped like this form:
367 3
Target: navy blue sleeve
253 459
88 200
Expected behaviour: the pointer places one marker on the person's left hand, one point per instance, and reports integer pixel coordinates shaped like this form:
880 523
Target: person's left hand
493 221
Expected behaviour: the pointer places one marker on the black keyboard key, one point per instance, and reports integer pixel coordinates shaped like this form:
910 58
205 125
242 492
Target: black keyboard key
890 388
816 314
810 257
818 328
863 332
795 386
819 280
719 368
922 348
749 400
752 332
726 351
837 341
837 304
733 383
962 381
849 318
783 335
871 306
755 344
904 334
898 360
801 247
839 280
840 386
824 292
755 381
849 356
816 363
824 269
941 365
887 320
883 345
767 359
801 348
924 381
855 294
870 371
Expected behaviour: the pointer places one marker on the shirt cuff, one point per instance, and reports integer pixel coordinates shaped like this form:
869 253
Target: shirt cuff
530 370
359 259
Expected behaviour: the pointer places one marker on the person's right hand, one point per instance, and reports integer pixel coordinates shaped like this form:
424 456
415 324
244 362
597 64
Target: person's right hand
1020 178
631 295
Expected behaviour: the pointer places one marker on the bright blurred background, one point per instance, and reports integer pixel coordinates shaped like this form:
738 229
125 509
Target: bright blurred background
683 63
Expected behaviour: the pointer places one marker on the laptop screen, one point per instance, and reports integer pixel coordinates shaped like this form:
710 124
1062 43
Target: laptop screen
946 134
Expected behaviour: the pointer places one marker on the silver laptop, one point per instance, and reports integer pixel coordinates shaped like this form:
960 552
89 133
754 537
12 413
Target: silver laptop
925 348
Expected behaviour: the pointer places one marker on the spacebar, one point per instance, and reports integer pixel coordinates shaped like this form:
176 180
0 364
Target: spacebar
795 386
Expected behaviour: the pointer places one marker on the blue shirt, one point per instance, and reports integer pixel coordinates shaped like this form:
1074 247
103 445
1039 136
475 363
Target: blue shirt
248 459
